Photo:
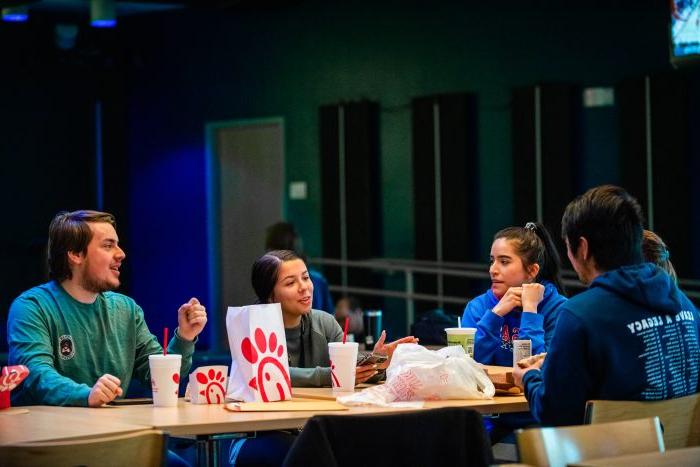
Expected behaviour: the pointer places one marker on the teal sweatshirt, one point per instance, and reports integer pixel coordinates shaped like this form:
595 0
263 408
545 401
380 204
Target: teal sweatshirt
68 345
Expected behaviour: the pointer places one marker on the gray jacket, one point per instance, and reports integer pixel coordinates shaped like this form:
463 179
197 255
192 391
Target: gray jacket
318 328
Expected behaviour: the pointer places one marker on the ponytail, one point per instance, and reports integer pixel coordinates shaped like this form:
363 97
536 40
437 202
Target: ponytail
550 268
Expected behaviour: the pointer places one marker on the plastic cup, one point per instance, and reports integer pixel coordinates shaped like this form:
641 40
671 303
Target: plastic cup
343 363
165 379
463 337
522 348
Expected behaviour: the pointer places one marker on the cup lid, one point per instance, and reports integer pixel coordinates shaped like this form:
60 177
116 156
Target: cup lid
160 356
340 344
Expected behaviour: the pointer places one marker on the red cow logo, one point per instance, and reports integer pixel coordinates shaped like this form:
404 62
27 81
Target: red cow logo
214 389
271 373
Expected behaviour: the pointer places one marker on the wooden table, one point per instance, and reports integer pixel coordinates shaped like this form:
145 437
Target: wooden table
206 423
35 424
190 419
499 404
687 457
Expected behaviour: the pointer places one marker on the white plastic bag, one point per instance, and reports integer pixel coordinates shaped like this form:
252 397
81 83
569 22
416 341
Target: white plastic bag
416 374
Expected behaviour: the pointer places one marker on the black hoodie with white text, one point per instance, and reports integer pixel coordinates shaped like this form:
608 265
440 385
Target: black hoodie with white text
633 335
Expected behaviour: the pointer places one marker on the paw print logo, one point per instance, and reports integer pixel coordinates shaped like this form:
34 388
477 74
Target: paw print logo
272 377
334 378
214 389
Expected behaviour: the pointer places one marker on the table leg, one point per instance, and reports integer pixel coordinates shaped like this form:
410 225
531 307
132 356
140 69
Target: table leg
209 447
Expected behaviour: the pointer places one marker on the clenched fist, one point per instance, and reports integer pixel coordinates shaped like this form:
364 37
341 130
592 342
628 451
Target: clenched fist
191 318
106 389
531 296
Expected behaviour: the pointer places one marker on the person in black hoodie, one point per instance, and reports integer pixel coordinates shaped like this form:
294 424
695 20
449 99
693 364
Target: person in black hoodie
633 335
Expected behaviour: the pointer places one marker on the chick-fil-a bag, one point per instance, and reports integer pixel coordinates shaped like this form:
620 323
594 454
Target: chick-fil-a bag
259 367
207 385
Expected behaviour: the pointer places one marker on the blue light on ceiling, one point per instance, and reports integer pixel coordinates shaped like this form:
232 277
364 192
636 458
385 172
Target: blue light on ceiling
15 14
103 23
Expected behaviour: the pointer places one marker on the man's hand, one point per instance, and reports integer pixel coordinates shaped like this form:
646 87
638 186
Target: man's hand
388 349
531 296
191 318
518 372
509 301
106 389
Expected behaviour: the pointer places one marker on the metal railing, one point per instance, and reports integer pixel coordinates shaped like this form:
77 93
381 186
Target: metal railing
410 268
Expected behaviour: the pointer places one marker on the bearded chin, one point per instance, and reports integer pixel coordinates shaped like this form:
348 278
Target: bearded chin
94 286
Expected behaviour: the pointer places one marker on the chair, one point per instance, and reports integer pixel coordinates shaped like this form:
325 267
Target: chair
142 448
680 418
453 435
563 445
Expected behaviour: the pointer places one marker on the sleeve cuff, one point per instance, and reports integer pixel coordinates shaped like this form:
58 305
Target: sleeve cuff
183 345
82 396
532 375
533 320
492 320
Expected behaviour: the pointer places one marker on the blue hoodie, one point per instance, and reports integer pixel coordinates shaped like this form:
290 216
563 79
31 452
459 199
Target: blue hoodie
633 335
493 344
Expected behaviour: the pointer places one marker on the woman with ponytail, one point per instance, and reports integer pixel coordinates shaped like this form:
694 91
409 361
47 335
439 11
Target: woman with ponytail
524 297
522 303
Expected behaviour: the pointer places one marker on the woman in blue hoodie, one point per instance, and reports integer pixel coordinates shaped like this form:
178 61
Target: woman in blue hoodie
524 297
522 303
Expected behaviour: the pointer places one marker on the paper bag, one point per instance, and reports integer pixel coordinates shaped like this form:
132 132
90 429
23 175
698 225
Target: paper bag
259 367
208 385
10 377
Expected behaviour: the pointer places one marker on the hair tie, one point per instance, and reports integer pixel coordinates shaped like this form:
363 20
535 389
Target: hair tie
530 226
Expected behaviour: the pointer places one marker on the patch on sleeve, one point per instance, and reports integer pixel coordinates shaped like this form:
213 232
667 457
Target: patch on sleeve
66 347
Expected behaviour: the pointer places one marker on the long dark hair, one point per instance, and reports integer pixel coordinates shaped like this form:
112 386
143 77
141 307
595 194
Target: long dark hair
534 244
265 270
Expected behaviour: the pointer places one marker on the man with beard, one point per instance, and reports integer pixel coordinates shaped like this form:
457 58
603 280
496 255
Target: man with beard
82 342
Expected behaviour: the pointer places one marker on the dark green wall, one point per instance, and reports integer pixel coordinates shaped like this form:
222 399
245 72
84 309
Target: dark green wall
287 62
194 67
171 73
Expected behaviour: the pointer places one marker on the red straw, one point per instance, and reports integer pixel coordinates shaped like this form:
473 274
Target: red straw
165 341
345 331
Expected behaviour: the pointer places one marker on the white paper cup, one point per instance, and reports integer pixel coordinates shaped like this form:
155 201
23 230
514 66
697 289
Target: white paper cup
522 348
165 378
463 337
343 363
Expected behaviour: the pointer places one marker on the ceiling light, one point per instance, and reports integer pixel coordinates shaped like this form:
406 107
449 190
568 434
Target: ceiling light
15 14
103 14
